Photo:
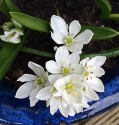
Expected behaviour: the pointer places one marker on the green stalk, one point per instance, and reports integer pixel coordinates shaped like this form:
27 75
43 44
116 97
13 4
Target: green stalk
58 14
114 17
110 53
37 52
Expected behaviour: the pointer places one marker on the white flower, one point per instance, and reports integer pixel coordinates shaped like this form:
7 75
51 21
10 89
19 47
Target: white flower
69 102
68 36
12 32
65 64
12 36
55 103
34 83
70 88
58 105
88 93
93 71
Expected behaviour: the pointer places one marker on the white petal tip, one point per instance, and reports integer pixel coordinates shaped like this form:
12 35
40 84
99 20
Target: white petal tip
90 31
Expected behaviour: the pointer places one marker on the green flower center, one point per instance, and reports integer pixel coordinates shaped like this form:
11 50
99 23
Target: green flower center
69 87
66 71
54 91
11 35
40 81
69 41
84 88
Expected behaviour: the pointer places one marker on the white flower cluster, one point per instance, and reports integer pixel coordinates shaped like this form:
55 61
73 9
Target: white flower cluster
12 32
69 83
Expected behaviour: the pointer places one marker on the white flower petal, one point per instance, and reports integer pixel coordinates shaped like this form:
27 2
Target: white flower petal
98 71
33 99
9 33
78 108
59 84
84 102
72 111
76 47
64 110
61 55
4 38
57 94
97 61
64 103
44 94
84 37
11 36
79 70
84 61
54 104
96 84
24 90
59 25
15 38
74 28
71 97
27 77
38 70
53 78
91 94
57 38
53 67
73 59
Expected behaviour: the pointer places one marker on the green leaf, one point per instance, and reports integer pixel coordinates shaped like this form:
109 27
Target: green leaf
3 8
31 22
8 55
5 63
101 33
1 2
12 6
105 7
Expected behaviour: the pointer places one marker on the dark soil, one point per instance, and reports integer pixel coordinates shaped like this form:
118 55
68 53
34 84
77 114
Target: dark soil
85 11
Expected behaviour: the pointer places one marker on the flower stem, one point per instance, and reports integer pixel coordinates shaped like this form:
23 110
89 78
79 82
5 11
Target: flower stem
110 53
37 52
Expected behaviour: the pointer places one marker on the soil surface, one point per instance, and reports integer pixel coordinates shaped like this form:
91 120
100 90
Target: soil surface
85 11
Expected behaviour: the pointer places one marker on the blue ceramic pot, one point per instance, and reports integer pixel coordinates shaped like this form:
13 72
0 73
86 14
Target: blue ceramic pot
15 111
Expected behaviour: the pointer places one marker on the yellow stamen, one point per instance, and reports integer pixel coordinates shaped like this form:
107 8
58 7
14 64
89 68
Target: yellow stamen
69 87
86 74
75 94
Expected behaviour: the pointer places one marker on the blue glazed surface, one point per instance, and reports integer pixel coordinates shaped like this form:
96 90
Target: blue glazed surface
15 111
